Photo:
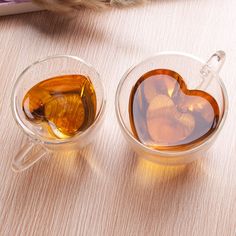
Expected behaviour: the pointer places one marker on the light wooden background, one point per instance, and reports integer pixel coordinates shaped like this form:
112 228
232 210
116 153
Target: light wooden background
105 189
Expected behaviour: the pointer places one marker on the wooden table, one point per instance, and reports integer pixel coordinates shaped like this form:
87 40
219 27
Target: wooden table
105 189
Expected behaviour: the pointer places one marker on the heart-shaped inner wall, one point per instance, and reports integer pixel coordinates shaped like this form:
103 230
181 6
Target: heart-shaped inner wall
165 115
61 106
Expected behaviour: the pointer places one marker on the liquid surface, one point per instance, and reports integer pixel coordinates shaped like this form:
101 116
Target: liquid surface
165 115
65 105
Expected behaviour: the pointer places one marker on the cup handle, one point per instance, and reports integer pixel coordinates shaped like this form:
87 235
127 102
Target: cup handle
216 61
214 64
27 156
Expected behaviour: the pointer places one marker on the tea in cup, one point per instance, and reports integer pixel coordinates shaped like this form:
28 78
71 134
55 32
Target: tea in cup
59 103
171 106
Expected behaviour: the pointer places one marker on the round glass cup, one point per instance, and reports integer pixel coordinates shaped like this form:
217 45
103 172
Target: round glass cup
38 144
197 74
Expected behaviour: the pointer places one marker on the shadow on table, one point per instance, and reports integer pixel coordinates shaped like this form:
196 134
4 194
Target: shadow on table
151 194
52 185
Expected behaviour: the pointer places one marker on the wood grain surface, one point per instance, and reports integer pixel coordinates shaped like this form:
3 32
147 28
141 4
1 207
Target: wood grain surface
105 189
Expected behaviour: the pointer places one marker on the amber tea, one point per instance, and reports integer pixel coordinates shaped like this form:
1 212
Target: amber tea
63 105
165 115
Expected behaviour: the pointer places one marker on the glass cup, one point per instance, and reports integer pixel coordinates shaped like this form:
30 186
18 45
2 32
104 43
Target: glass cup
198 75
39 145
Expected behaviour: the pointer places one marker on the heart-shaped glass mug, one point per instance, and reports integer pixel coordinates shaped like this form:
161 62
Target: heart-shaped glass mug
199 78
58 67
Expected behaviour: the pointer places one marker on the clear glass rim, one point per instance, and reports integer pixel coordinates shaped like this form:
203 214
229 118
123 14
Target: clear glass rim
163 153
28 131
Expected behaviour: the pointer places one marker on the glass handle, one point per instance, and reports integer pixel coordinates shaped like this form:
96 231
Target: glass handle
27 156
212 66
216 61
